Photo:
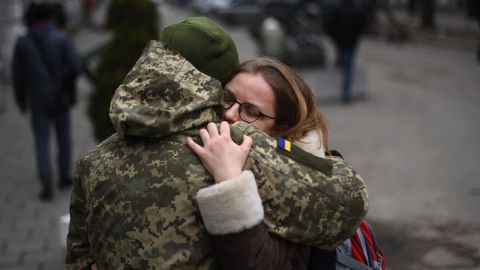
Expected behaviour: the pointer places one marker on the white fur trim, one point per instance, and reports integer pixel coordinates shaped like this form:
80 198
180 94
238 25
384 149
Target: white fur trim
312 143
231 206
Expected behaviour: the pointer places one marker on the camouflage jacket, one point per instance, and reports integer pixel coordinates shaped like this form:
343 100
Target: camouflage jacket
133 203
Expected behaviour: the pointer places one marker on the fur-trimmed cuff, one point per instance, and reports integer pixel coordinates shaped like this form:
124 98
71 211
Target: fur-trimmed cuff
232 205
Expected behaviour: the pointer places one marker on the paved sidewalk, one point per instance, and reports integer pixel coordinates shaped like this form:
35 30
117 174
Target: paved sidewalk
415 142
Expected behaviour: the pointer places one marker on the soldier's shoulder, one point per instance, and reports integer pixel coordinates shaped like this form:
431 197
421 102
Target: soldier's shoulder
346 174
243 127
238 129
98 151
340 165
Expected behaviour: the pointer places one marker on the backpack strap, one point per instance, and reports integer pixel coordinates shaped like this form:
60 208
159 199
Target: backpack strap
352 263
377 251
366 250
372 264
41 52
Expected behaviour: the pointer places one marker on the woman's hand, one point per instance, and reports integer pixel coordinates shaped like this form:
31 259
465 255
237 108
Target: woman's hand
222 157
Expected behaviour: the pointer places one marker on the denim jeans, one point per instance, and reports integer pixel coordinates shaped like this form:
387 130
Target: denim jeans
41 129
347 60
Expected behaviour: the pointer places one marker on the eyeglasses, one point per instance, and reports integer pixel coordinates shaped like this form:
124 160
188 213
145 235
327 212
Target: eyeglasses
249 113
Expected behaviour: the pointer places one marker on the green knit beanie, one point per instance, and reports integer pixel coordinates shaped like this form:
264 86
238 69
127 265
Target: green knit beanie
204 44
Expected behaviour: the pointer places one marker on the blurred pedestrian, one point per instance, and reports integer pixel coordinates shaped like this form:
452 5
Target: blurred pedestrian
473 10
60 20
345 25
412 7
44 61
59 16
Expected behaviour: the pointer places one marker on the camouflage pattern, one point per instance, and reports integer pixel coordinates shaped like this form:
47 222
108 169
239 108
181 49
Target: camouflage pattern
318 207
164 94
133 203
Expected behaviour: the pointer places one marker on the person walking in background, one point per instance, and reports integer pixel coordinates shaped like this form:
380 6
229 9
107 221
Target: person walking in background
345 25
473 10
412 7
59 16
61 21
44 61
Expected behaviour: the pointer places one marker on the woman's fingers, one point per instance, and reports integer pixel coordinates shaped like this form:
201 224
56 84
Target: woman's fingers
197 149
247 143
212 130
225 129
204 135
221 156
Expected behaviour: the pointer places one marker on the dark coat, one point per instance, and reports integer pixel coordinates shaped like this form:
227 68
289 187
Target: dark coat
38 80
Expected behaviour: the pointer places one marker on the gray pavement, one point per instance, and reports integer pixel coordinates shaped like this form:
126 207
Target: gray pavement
414 139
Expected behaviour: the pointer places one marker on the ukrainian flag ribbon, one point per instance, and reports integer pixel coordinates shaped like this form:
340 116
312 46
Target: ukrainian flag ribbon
284 144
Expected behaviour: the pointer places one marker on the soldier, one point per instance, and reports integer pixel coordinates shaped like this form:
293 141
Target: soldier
133 203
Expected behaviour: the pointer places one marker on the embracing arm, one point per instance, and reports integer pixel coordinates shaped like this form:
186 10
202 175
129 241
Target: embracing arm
309 200
314 201
232 212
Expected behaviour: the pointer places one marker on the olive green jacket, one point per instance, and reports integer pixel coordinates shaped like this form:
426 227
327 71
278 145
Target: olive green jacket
133 204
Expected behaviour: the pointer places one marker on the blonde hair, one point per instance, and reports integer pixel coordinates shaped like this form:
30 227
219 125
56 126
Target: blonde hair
296 109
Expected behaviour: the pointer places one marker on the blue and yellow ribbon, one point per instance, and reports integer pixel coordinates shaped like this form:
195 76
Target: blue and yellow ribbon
284 144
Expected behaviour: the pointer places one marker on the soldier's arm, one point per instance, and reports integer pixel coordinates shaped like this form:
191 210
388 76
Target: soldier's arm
306 199
79 255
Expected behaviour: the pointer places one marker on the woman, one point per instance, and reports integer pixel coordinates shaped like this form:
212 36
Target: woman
272 97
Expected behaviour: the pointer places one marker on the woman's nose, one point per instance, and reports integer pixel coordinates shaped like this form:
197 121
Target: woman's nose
231 114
